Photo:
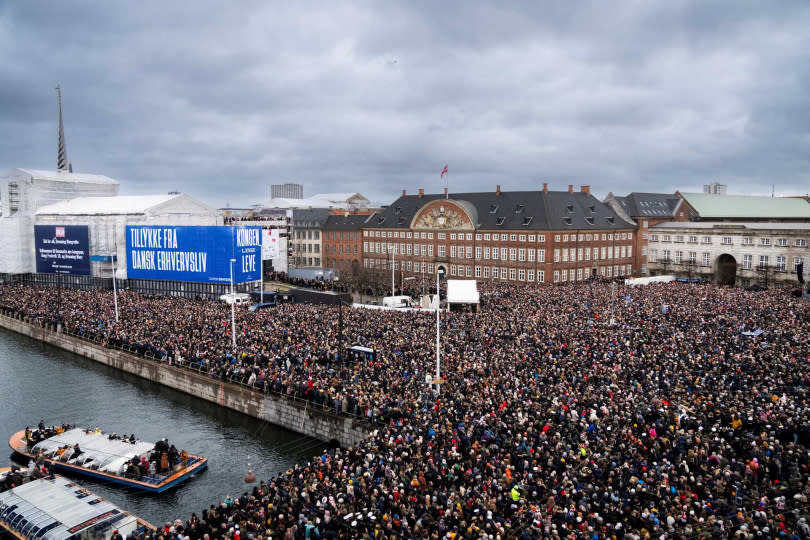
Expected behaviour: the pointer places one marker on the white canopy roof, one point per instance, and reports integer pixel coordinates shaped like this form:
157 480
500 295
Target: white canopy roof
462 291
123 204
65 176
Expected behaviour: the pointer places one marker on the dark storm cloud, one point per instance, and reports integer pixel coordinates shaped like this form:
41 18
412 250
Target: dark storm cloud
226 98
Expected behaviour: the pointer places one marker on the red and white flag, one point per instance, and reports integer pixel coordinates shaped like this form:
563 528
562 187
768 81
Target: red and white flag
444 171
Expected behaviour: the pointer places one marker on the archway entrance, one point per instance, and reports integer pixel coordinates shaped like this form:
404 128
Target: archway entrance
726 270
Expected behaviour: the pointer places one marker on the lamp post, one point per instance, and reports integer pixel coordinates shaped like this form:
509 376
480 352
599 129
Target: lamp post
393 250
115 289
439 274
233 309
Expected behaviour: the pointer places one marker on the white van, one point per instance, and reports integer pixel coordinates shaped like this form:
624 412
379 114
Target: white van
236 298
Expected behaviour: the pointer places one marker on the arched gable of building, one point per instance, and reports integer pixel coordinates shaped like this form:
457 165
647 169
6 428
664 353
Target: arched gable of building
445 214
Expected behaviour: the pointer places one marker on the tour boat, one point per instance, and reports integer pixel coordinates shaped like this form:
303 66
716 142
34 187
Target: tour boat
105 458
57 509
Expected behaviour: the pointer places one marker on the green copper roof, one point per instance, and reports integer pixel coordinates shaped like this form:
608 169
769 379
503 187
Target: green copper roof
746 206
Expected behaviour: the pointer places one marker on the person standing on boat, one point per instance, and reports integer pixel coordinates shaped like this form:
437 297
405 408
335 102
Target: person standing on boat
116 535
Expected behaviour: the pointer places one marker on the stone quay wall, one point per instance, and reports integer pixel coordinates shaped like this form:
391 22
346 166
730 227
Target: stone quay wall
295 415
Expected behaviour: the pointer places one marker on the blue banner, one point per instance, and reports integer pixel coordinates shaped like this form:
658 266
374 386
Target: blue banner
62 249
201 254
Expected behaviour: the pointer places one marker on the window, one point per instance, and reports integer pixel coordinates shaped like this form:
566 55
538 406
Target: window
541 276
531 254
781 263
764 241
468 236
678 239
579 254
571 275
452 236
531 238
468 250
763 261
430 250
666 238
678 257
556 276
541 255
579 274
478 271
665 255
556 255
486 253
726 241
522 255
453 269
542 238
595 253
468 271
486 236
564 275
800 242
512 237
442 251
512 254
504 254
565 238
565 255
692 257
522 237
644 224
707 257
653 238
521 275
486 272
495 254
747 262
477 252
530 275
707 239
478 236
556 237
796 261
430 268
643 250
747 241
443 236
781 242
693 239
494 272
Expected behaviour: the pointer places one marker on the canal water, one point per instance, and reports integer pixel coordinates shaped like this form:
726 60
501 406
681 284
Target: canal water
40 382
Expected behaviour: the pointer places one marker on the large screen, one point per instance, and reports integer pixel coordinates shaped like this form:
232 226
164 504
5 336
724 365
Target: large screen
201 254
62 249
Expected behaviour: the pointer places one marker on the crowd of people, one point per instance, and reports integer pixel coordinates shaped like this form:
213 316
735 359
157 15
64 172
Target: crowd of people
576 411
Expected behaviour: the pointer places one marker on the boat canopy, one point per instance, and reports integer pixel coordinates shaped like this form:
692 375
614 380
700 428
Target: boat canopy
59 509
98 450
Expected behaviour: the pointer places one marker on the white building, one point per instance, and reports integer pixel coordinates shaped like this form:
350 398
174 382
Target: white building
22 193
730 252
332 201
107 218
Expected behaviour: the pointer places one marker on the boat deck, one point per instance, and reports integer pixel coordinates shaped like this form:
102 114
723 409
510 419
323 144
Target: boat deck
103 458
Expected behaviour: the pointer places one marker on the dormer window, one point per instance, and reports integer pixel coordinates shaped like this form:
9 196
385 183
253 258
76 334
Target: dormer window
527 220
500 220
400 221
592 208
397 210
381 219
493 208
567 220
611 220
518 208
570 208
589 220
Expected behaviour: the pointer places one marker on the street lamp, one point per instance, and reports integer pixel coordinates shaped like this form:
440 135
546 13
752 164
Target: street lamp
439 274
115 289
233 309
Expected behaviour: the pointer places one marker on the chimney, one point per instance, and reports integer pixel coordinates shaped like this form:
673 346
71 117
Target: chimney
421 192
403 192
445 192
585 189
570 188
545 187
498 189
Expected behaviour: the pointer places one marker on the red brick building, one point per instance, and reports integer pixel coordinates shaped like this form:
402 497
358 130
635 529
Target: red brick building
519 236
342 241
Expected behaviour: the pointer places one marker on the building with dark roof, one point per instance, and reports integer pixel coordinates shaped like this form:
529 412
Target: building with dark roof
343 242
647 210
305 236
532 236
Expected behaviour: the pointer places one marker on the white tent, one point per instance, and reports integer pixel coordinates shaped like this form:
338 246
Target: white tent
462 291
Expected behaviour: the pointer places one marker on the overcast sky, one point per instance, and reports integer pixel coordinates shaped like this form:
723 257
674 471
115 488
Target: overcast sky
222 100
